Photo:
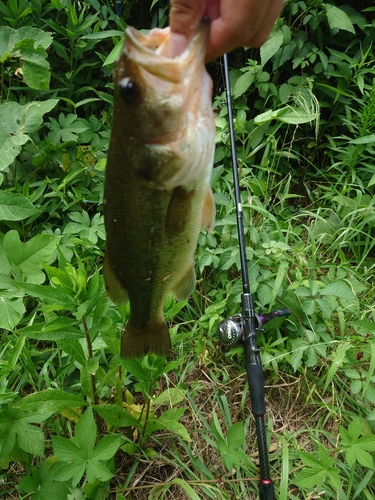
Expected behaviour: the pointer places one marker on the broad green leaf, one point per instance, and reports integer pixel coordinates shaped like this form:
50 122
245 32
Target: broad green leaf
107 447
116 416
27 258
15 423
74 348
73 471
281 272
15 207
80 455
367 139
48 294
338 19
16 122
324 307
40 481
186 487
86 431
49 490
170 397
36 69
298 348
96 470
339 289
271 46
104 34
338 359
264 292
310 478
67 451
236 436
30 438
296 115
61 328
52 400
11 311
11 146
172 426
243 83
29 45
66 128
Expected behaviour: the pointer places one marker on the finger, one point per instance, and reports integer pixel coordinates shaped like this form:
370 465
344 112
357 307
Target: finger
185 16
248 25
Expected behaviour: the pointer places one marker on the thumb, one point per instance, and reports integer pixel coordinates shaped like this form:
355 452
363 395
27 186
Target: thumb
184 19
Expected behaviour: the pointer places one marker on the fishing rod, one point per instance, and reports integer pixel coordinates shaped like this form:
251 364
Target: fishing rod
243 328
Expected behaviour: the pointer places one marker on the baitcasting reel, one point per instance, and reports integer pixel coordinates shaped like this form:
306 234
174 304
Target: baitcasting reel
231 330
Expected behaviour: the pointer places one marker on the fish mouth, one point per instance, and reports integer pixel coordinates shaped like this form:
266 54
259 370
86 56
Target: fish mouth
149 51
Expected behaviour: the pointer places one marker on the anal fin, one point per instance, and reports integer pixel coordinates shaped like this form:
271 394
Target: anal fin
185 287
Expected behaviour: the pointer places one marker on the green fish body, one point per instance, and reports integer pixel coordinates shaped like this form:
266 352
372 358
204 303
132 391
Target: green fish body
157 187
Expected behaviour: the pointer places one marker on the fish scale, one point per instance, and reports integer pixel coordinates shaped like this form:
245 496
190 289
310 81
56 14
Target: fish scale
157 189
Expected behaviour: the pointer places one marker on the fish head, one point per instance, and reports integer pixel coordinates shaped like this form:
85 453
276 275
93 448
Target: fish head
154 92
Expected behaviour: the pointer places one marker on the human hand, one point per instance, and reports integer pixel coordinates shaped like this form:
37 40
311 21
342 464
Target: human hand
234 23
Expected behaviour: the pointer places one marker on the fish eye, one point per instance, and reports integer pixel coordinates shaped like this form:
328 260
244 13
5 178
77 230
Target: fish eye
129 91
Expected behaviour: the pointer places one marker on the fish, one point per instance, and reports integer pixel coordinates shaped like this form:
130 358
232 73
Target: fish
157 192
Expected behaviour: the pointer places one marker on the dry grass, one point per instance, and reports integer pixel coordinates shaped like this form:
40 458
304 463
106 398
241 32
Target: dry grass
288 409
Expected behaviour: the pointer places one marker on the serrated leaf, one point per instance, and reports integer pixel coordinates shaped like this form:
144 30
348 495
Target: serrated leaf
107 447
338 19
66 450
86 432
96 470
50 489
30 438
298 348
71 471
40 481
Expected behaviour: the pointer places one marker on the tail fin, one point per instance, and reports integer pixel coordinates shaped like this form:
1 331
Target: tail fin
137 342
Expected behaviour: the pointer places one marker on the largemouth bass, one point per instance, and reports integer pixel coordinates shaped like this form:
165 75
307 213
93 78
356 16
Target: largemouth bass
157 186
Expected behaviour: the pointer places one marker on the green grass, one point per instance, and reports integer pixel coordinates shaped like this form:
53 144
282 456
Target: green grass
76 421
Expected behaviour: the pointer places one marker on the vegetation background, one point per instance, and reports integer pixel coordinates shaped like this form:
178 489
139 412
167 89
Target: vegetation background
78 422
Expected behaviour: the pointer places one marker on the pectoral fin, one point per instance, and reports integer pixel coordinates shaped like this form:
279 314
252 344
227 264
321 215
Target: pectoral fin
179 210
115 290
185 287
209 211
